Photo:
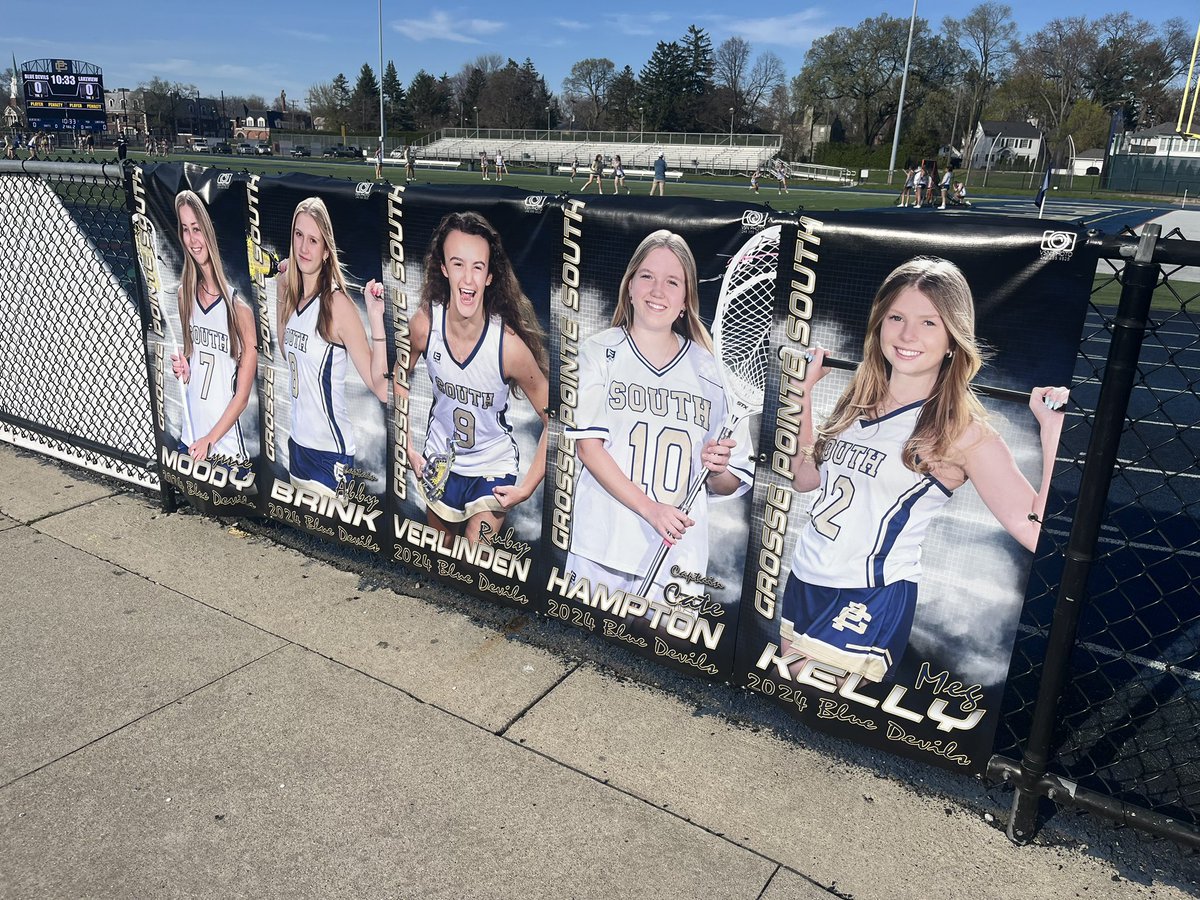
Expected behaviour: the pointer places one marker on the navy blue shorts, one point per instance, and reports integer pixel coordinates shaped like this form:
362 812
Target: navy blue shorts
317 469
466 495
863 630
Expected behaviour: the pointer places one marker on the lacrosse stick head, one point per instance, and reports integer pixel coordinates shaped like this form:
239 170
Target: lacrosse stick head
742 326
436 473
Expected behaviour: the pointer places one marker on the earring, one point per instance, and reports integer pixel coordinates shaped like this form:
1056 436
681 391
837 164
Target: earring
681 313
949 354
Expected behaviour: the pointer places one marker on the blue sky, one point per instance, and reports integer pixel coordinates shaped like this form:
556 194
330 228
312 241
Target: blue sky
243 47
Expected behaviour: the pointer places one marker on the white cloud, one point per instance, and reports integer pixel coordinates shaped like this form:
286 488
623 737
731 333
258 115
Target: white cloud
796 30
572 24
442 26
640 24
306 35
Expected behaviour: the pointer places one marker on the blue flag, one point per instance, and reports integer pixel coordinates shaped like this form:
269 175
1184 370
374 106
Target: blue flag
1041 194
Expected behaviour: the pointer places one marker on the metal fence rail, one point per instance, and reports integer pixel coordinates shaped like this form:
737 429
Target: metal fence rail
1102 708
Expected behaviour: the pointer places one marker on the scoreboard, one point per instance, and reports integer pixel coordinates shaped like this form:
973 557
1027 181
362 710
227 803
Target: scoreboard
63 95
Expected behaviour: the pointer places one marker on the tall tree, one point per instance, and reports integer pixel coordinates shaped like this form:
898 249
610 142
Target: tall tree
395 104
428 101
585 89
697 46
623 99
664 79
766 75
339 112
1134 65
1059 57
987 35
859 70
364 101
731 70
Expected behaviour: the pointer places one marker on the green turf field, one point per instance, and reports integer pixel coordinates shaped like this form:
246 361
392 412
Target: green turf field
808 197
875 193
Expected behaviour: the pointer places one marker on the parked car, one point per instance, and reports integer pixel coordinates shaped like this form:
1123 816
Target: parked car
222 147
200 145
263 148
341 151
245 149
398 153
301 150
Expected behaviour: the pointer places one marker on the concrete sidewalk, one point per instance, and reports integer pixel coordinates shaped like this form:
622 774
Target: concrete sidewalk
188 709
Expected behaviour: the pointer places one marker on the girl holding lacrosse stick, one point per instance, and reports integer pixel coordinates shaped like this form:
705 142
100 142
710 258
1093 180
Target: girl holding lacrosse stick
905 434
480 338
651 409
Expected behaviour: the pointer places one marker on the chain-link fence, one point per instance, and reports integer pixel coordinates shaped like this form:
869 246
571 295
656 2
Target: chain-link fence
1103 701
73 378
1124 737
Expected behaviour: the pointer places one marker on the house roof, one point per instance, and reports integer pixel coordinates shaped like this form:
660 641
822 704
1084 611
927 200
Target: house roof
1010 129
1166 128
1094 153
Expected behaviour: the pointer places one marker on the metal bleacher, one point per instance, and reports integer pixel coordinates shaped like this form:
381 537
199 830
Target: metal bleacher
542 149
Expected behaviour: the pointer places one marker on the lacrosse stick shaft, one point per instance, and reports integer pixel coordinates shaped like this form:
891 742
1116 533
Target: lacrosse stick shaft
693 492
997 393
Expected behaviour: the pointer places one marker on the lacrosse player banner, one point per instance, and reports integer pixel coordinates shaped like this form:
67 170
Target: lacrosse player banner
886 586
189 227
649 476
317 247
468 277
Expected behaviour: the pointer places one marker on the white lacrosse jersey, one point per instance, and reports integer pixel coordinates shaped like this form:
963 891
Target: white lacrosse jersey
470 401
654 423
870 518
319 417
213 379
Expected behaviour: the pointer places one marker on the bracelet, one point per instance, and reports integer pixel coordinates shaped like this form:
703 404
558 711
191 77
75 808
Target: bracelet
1033 517
379 339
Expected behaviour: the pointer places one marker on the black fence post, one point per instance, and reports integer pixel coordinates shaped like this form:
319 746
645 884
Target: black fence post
1129 327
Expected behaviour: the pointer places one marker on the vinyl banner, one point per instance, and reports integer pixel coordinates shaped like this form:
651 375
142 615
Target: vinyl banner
318 247
647 490
890 560
191 237
468 277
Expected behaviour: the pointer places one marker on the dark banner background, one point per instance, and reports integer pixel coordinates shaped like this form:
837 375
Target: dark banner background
504 571
597 239
1031 296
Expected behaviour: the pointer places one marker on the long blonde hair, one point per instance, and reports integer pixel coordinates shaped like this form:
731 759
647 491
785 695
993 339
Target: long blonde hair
331 278
952 406
689 325
189 280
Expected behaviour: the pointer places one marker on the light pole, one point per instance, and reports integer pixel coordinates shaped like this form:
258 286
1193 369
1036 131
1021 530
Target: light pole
382 126
547 122
903 84
642 126
731 126
476 122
